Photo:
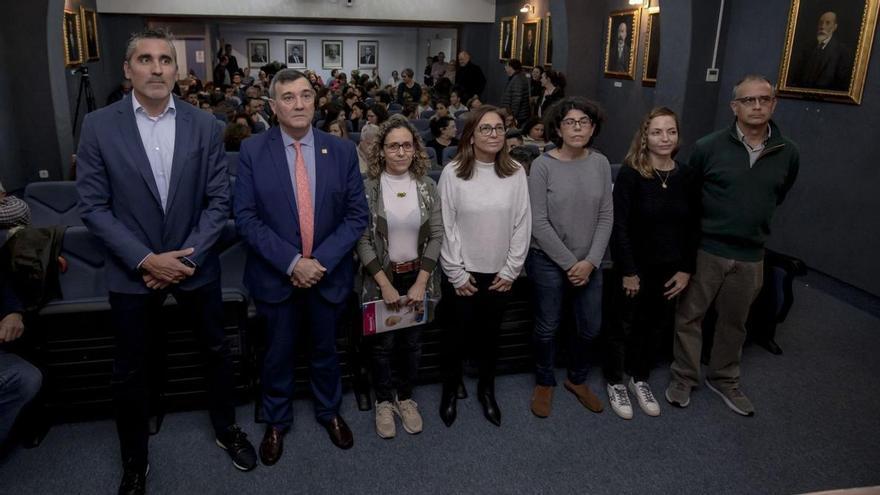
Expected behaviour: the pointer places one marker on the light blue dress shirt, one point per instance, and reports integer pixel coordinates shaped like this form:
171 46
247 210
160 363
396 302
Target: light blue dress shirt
157 135
308 150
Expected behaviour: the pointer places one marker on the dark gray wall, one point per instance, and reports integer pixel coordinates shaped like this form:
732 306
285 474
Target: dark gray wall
11 167
830 218
477 40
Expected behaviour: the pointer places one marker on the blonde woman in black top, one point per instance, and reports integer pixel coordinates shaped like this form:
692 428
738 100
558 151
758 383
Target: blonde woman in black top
653 244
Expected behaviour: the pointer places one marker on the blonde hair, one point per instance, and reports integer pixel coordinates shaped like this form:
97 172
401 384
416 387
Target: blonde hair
637 157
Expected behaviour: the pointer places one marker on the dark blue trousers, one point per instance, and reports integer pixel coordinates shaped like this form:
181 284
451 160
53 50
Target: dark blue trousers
305 311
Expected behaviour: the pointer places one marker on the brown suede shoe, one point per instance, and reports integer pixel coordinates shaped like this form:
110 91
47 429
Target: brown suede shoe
585 396
542 401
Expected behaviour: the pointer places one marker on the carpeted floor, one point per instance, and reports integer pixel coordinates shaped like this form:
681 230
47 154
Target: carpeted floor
816 428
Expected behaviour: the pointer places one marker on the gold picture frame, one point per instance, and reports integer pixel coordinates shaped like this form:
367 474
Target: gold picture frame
507 38
826 52
651 56
530 41
91 48
620 49
548 41
72 38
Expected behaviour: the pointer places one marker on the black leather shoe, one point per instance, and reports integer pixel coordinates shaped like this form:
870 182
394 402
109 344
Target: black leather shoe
340 433
771 346
235 443
490 408
448 410
461 393
272 446
134 480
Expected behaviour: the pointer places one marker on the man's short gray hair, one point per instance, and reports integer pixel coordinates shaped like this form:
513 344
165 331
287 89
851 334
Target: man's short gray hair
753 77
150 34
284 76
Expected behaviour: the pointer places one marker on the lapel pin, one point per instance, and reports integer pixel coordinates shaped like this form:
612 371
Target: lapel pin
323 151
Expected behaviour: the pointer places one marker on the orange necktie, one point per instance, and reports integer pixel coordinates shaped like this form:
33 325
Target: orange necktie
304 202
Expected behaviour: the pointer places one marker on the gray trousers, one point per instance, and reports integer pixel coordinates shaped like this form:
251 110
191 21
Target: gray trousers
732 286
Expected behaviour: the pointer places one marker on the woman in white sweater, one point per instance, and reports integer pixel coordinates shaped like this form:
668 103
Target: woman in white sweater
487 226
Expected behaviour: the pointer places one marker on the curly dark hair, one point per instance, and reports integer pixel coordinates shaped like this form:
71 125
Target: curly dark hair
376 155
438 124
554 115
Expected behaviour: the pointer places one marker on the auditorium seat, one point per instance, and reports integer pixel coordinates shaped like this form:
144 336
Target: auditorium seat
534 148
355 136
426 135
427 114
435 174
459 114
549 146
395 108
52 203
432 154
448 153
421 124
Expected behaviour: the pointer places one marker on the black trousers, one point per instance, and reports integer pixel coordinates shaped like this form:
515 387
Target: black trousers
402 346
139 365
476 323
641 330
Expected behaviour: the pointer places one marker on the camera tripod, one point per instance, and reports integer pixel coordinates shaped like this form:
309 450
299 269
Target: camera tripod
85 88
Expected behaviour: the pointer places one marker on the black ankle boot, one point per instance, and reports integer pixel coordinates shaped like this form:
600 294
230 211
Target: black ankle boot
486 396
448 405
362 393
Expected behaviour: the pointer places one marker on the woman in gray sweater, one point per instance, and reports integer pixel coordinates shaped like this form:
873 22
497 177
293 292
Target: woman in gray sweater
572 218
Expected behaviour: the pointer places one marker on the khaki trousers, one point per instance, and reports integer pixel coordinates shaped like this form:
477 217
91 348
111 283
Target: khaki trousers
731 286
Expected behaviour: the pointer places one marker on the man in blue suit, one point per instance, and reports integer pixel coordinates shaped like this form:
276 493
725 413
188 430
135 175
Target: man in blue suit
300 206
153 188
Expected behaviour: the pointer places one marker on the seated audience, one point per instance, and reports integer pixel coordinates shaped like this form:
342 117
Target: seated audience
441 109
424 103
455 104
533 133
336 127
444 131
409 90
368 136
514 139
235 133
377 114
358 116
14 212
398 260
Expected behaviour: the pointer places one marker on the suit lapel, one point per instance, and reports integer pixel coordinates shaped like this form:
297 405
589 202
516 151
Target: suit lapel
279 162
131 136
183 142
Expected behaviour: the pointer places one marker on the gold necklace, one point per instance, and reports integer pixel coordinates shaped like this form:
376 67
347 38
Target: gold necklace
663 180
399 194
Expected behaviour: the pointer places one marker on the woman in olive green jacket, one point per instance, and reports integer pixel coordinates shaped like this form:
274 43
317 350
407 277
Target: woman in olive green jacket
398 254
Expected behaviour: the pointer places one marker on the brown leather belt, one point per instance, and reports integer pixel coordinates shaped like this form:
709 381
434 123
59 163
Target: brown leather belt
406 266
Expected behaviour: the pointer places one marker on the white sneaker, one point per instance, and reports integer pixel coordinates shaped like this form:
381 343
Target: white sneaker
619 400
646 399
385 420
408 411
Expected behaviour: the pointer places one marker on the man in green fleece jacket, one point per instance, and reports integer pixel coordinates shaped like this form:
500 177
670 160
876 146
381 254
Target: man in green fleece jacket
746 171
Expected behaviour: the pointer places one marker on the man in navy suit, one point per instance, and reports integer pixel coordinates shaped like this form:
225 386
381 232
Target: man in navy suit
300 206
153 188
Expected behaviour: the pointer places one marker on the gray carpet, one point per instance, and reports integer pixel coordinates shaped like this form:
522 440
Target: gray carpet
816 428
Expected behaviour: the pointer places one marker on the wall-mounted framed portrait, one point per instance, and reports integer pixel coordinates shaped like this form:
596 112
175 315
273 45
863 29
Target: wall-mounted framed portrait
530 38
258 52
548 41
91 49
331 54
652 49
72 31
621 40
507 39
827 48
368 54
295 51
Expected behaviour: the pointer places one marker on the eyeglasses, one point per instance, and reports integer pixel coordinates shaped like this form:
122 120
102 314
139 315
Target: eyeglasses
764 100
486 130
582 122
396 147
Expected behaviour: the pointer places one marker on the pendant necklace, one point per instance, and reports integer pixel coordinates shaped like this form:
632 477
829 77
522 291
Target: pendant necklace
401 194
663 180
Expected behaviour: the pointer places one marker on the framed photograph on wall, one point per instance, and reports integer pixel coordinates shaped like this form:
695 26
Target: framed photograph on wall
548 41
621 40
827 48
258 52
295 51
331 54
73 54
530 38
368 54
652 49
507 38
89 34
